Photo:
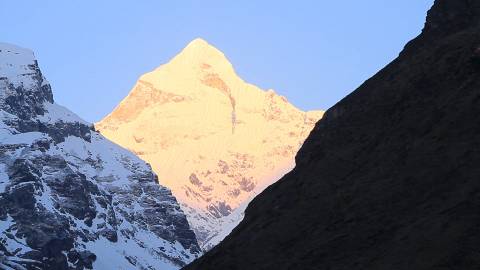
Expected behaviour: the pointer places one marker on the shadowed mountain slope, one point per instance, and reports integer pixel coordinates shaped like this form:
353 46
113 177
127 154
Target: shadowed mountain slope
389 178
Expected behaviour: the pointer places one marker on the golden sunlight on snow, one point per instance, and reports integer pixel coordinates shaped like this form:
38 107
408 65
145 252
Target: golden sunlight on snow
212 138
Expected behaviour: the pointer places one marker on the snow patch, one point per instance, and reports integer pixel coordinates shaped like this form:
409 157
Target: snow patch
57 113
3 179
14 64
112 255
23 138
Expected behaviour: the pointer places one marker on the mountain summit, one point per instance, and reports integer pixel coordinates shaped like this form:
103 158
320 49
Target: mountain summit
212 138
200 51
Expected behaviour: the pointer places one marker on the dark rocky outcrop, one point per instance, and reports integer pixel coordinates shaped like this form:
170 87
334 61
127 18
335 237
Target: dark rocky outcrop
389 178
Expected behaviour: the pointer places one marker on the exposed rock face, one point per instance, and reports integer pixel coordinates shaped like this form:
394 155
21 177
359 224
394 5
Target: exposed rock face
213 139
69 198
389 178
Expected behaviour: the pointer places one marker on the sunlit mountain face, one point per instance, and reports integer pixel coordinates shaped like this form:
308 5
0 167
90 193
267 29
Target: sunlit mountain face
213 139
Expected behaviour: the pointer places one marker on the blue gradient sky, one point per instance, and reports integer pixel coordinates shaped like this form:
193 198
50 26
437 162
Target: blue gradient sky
312 52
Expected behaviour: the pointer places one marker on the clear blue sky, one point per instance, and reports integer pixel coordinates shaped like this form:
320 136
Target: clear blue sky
312 52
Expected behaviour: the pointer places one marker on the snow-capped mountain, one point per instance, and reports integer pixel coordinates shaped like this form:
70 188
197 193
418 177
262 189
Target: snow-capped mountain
71 199
213 139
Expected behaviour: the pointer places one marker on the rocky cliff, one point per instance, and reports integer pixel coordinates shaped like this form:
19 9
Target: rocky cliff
389 178
71 199
214 140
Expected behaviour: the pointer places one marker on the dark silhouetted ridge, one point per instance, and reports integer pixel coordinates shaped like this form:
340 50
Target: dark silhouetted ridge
390 177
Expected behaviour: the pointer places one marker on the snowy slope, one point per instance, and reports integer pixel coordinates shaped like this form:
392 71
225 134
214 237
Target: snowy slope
213 138
71 199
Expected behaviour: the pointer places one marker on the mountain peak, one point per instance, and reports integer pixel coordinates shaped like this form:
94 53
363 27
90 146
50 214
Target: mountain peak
213 138
199 43
23 89
201 53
